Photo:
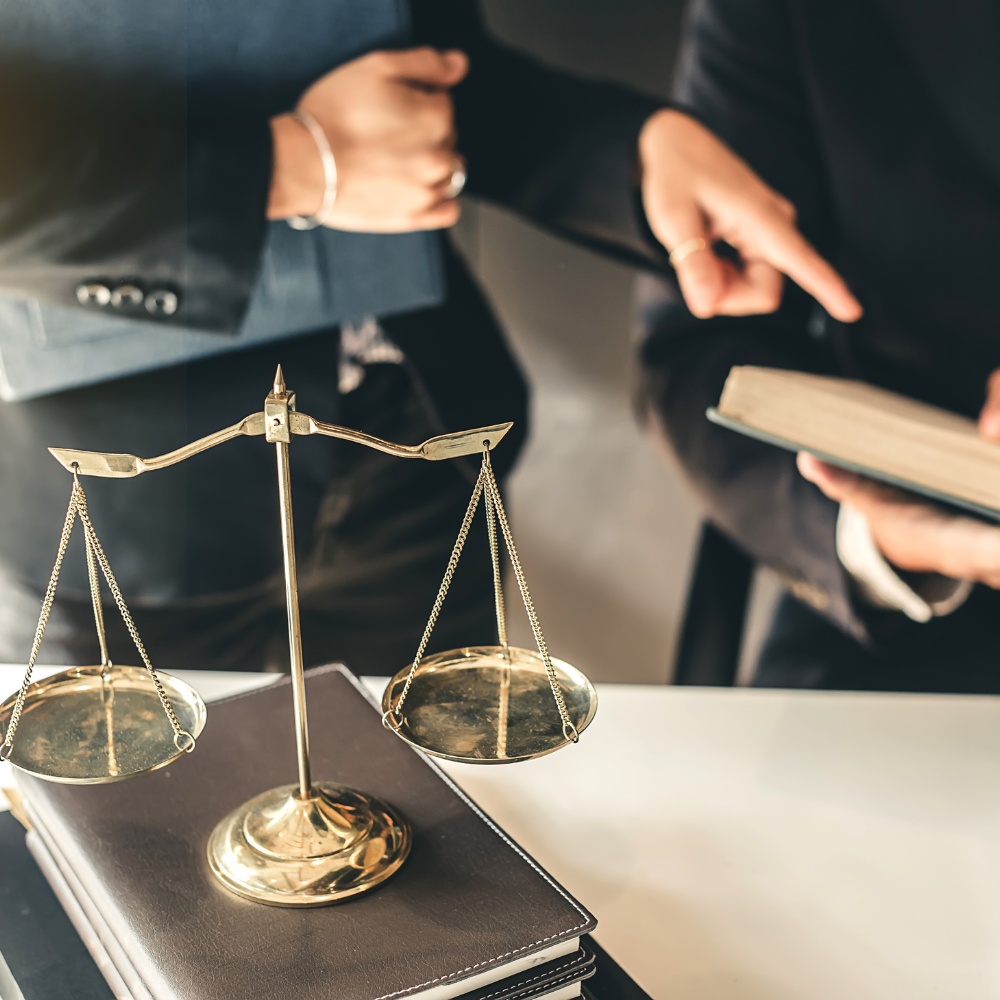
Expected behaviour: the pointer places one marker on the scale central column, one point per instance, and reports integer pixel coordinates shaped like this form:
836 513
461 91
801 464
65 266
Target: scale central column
304 845
278 431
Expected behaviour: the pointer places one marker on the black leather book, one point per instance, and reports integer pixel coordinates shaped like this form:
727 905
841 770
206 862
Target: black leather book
556 979
468 900
42 951
48 960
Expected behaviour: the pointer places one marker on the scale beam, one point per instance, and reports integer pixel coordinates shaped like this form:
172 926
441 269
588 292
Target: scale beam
111 465
433 449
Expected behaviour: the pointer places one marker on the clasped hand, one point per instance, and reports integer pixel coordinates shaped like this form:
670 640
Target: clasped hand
389 120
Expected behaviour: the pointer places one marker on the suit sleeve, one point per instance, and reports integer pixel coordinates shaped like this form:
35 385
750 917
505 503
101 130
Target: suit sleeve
99 185
557 148
739 75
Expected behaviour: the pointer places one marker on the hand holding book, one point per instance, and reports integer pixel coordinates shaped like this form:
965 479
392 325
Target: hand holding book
912 534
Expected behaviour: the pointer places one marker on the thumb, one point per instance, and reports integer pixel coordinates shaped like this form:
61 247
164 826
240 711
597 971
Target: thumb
989 416
834 482
429 67
849 488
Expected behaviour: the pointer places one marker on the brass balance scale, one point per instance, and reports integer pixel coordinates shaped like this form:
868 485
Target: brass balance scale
310 843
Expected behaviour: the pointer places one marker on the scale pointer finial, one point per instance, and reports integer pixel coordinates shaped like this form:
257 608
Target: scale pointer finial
279 382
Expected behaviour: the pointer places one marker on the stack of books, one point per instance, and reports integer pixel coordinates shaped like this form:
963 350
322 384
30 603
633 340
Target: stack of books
469 915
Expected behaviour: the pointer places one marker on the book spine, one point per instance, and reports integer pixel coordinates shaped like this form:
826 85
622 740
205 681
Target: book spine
93 929
564 993
60 888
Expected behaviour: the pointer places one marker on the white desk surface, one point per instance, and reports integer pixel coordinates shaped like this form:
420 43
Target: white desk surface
752 845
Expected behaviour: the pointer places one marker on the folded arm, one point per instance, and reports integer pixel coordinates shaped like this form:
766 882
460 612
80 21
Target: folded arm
97 184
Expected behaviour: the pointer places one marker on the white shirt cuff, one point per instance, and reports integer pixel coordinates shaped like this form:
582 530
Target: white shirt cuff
881 586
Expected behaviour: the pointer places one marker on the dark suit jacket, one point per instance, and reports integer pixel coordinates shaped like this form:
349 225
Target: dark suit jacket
109 174
880 120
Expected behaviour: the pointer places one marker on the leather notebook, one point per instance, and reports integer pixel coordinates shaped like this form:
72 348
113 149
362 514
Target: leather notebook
467 901
48 960
557 978
38 946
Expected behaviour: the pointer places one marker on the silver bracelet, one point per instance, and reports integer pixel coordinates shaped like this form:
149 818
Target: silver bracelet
322 214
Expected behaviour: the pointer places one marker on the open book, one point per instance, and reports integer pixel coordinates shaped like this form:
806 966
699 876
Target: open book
868 430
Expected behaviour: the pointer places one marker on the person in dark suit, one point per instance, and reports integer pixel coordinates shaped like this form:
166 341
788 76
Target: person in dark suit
878 120
151 160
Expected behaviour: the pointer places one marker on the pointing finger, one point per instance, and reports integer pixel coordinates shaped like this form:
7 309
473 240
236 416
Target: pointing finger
779 243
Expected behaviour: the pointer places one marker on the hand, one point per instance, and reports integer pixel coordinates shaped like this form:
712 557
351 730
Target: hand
989 415
913 535
389 120
695 186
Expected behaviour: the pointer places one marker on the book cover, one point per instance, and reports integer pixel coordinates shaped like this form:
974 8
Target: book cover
561 976
48 960
866 430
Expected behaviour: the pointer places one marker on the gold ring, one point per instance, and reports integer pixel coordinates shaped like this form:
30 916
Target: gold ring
682 251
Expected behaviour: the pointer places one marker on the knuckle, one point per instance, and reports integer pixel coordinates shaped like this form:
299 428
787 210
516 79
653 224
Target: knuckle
429 200
439 217
442 128
673 209
695 274
786 208
380 61
437 122
437 166
770 299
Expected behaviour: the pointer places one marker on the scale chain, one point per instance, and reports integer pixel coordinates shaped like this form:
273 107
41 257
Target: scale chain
497 575
493 492
95 599
392 719
183 740
487 487
43 619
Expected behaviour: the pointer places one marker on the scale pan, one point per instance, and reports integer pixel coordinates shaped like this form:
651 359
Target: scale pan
473 706
82 727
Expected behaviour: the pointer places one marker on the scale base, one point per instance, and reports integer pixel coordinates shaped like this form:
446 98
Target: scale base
283 850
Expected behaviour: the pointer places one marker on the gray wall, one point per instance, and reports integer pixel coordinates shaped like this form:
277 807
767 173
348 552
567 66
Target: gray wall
603 526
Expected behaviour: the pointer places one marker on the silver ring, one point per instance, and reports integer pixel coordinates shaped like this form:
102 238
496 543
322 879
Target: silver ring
457 182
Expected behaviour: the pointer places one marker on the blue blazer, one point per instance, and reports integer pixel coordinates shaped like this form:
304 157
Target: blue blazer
179 79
